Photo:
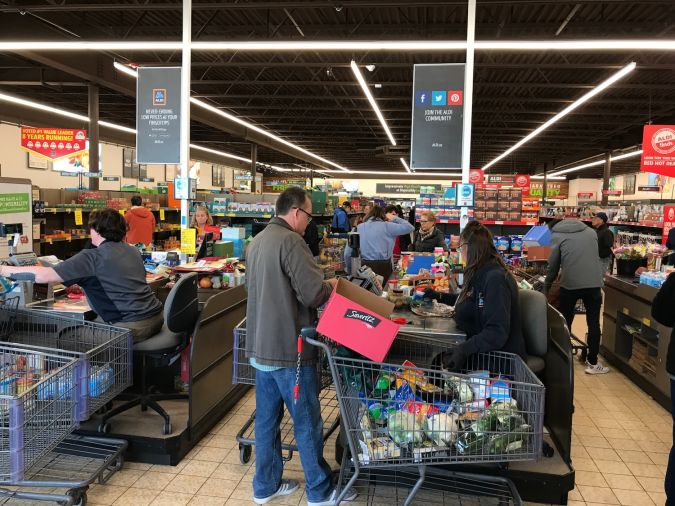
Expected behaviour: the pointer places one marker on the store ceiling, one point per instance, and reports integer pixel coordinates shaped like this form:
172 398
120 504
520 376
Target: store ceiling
312 98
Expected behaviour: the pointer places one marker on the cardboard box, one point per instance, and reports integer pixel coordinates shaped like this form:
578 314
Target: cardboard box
233 233
538 252
359 320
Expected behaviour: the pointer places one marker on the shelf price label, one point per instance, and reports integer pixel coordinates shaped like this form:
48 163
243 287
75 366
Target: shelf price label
646 322
78 216
161 214
625 311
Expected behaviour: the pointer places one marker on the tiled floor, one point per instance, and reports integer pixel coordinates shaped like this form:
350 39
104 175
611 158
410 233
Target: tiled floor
620 450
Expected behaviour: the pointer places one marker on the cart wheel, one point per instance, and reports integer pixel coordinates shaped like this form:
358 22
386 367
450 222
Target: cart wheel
79 497
245 454
104 428
167 428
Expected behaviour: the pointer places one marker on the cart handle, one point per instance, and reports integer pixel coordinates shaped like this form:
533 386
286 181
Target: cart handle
309 335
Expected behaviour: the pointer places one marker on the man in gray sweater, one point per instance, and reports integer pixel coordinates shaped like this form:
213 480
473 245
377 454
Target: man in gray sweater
574 250
285 286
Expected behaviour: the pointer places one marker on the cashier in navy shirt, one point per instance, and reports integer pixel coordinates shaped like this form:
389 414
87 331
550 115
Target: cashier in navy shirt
487 308
112 276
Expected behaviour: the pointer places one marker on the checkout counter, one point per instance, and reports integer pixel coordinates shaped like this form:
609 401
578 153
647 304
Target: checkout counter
632 341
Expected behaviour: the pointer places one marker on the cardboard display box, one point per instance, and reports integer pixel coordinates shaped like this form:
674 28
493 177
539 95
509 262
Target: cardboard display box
359 320
538 252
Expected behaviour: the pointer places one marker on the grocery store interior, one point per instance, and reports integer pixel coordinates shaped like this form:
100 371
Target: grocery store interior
153 264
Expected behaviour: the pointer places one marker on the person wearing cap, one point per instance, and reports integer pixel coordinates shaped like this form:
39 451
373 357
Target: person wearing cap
605 239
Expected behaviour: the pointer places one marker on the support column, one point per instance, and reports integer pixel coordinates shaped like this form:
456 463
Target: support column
605 177
254 163
548 166
93 135
468 102
186 61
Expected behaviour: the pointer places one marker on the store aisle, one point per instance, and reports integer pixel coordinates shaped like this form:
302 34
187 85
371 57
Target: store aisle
620 448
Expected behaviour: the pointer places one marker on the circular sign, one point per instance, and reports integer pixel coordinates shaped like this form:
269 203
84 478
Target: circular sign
671 214
466 191
522 181
475 176
663 141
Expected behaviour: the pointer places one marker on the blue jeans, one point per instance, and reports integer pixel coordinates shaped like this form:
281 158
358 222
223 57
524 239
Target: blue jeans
670 472
272 391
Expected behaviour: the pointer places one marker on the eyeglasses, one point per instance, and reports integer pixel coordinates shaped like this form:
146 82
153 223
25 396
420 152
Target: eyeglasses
424 221
309 216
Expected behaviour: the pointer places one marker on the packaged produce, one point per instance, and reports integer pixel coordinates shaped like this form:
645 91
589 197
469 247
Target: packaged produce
405 428
459 388
442 428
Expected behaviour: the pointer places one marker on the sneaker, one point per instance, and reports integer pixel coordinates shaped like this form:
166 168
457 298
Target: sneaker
349 496
596 369
287 487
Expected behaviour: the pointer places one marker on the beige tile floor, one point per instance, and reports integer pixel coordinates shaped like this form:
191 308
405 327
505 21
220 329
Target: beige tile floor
620 449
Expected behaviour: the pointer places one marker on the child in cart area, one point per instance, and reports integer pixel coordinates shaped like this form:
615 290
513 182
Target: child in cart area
487 307
285 286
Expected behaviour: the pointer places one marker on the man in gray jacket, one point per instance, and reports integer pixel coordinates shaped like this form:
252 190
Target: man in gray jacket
574 250
285 286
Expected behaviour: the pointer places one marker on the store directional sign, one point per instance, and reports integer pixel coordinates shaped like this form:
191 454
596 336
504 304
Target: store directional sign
438 109
158 115
92 174
111 178
147 179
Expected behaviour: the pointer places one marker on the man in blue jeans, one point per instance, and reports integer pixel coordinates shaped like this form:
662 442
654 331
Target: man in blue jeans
285 286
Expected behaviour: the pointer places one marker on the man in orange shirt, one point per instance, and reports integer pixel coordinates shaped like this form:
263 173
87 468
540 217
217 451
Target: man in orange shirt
141 222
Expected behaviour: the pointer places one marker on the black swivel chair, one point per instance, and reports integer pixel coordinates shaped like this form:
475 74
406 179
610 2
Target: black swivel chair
181 311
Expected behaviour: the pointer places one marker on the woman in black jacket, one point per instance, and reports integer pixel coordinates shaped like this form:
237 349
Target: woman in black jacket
428 237
487 308
662 312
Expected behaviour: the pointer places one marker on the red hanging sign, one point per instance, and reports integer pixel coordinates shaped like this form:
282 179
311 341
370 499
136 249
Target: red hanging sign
53 143
658 149
522 181
668 222
476 176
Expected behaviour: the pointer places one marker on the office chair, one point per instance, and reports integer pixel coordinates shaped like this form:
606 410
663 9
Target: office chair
181 311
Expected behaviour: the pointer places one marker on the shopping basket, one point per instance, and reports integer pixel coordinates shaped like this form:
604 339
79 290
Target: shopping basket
38 407
244 373
104 351
409 412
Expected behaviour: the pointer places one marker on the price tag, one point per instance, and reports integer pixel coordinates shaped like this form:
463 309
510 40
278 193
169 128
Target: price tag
647 322
49 241
161 214
625 311
188 241
78 216
122 212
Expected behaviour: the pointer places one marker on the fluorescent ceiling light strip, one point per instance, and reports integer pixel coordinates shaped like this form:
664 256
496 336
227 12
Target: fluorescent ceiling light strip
125 69
42 107
346 45
616 158
557 178
567 110
625 155
373 104
405 165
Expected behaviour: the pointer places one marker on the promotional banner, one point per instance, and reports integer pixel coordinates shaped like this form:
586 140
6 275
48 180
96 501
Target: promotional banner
438 108
554 190
158 115
658 149
53 143
668 221
383 188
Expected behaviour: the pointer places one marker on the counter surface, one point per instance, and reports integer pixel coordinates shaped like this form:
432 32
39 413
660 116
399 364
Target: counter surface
631 286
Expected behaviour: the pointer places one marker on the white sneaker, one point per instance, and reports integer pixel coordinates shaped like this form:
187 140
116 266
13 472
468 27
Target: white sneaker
349 496
596 369
287 487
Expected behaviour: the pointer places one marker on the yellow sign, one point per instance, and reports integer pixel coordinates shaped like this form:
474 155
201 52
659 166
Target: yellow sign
625 311
122 212
78 216
647 322
161 214
188 241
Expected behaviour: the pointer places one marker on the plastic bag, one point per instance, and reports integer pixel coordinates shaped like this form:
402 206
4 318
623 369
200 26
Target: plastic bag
442 428
404 428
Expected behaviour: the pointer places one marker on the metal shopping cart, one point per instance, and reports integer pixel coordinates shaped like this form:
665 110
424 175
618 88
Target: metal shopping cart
244 373
407 414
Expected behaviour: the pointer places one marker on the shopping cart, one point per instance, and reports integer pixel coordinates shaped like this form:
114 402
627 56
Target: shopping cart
244 374
409 414
75 464
104 352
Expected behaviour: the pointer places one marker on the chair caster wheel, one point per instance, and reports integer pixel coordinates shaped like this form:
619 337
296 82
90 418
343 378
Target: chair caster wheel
104 428
167 428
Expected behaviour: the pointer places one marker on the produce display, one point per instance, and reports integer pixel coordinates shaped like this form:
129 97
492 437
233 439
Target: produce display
407 413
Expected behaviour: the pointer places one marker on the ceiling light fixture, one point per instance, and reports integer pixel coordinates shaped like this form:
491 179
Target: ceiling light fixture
229 116
373 104
370 67
125 69
347 45
567 110
595 163
555 178
405 165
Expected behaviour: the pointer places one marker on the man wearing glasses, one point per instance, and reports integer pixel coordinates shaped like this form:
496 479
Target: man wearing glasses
285 286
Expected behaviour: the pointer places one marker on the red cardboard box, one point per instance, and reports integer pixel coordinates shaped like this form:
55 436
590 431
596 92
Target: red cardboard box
538 252
359 320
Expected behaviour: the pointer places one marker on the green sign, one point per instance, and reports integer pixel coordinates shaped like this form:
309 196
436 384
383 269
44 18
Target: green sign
14 203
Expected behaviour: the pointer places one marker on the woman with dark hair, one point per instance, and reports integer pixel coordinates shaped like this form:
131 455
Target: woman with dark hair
378 232
487 307
404 240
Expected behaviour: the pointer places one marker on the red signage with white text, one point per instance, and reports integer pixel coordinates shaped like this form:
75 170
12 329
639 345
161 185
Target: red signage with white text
476 176
522 181
668 221
658 149
612 193
53 143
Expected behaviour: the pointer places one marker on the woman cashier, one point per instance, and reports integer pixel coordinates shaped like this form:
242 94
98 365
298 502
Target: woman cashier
487 307
203 222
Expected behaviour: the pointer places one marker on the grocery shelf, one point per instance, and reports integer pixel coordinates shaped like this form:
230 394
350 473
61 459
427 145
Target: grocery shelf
492 222
68 210
645 224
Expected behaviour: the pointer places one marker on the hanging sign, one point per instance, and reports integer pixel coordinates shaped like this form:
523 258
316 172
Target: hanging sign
53 143
650 188
612 193
158 115
384 188
476 176
668 221
585 195
522 181
111 178
658 149
437 116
